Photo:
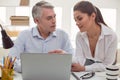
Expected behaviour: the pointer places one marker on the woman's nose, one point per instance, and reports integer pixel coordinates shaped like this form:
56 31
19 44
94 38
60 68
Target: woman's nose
77 23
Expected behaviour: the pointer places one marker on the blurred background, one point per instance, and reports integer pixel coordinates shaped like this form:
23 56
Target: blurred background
10 12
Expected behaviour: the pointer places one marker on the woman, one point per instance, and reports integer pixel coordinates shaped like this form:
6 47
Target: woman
96 44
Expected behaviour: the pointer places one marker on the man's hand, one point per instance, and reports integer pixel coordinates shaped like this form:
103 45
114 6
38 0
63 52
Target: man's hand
57 51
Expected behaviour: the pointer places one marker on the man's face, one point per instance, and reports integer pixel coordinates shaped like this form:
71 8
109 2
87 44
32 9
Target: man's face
47 22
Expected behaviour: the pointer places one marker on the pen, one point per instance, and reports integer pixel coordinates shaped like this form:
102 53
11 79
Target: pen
87 75
11 64
3 60
98 62
77 78
7 62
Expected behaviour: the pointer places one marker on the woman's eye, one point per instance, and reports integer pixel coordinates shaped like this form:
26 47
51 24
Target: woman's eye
79 18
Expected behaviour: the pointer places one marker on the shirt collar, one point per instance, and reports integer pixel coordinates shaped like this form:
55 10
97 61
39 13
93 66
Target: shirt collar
105 30
35 33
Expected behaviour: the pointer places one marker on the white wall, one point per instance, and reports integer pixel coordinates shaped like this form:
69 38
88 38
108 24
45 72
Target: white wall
67 6
9 2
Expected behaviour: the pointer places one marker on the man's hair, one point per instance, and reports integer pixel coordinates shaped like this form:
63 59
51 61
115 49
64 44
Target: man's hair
37 8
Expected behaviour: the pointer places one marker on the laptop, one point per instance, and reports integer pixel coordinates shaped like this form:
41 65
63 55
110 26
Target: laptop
41 66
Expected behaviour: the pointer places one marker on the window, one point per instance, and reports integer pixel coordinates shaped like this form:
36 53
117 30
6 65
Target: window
109 16
74 29
2 19
2 15
58 11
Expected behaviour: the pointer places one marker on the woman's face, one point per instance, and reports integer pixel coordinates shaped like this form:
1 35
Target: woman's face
83 21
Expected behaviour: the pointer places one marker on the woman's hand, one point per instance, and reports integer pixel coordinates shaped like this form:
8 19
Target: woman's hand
76 67
57 51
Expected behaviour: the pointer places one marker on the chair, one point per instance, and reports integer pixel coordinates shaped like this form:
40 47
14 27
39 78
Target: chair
115 58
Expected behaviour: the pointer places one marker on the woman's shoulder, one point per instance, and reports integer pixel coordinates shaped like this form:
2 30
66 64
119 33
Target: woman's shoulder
109 33
108 30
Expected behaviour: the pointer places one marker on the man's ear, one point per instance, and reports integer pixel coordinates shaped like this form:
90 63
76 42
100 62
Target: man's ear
36 20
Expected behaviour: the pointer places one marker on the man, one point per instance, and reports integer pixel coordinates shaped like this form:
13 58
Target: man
43 38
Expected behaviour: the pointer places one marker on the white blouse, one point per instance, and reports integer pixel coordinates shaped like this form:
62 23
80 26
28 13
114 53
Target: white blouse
105 51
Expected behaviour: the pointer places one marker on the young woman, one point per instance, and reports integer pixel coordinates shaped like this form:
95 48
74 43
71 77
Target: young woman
96 43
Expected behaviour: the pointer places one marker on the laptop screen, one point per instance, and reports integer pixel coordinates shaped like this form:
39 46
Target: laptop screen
43 66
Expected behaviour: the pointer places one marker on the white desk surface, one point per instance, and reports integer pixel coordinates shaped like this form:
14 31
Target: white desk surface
98 76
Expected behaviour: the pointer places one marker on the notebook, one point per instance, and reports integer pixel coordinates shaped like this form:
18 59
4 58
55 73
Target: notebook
41 66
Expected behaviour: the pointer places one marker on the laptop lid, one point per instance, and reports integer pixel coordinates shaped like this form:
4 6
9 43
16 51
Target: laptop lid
41 66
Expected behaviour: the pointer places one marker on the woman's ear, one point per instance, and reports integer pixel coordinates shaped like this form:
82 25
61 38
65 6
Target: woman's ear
93 16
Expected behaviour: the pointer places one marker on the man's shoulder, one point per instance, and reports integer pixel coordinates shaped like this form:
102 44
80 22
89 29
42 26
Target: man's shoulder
61 34
26 32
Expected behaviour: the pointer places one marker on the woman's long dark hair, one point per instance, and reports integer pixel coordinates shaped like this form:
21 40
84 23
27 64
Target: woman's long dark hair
89 8
99 17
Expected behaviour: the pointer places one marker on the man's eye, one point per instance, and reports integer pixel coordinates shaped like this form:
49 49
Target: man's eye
49 18
55 16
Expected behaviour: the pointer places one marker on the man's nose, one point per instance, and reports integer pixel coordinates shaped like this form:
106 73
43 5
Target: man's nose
54 20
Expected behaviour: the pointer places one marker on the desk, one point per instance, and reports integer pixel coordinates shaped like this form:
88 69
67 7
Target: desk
98 76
